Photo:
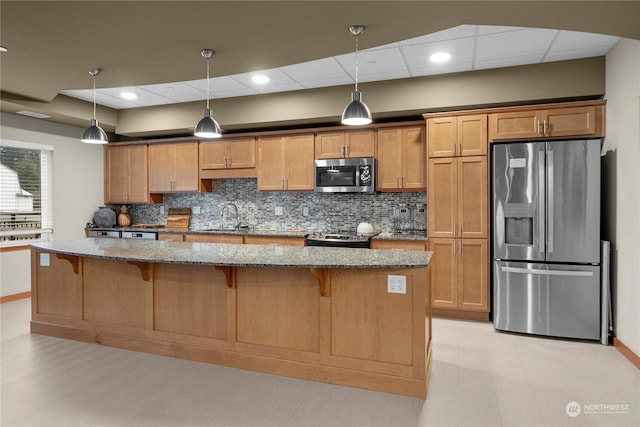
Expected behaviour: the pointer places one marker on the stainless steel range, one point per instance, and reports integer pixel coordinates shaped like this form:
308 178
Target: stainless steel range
336 240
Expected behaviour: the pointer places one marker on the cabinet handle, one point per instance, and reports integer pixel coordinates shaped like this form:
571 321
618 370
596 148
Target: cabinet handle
538 127
346 150
459 247
546 127
403 181
286 183
455 149
454 230
460 149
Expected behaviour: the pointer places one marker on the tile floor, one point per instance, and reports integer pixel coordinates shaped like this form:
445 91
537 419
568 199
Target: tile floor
479 377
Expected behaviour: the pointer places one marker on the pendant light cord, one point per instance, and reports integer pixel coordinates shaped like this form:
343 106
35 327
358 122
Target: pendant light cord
208 90
94 97
356 63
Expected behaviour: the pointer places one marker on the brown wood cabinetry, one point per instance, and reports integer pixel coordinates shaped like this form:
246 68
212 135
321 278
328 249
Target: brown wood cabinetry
173 167
460 269
229 154
401 159
457 197
407 245
345 144
549 121
285 163
214 238
274 240
126 174
464 135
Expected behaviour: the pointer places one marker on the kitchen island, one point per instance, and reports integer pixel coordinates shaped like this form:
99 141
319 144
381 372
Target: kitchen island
355 317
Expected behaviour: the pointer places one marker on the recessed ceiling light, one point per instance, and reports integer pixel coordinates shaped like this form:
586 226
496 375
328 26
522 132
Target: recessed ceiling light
260 79
128 95
3 49
440 57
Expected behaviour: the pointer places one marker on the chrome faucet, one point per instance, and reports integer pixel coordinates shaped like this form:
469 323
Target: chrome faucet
236 216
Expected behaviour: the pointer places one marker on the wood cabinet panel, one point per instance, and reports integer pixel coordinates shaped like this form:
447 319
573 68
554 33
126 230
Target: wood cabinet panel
284 314
561 122
345 144
274 240
401 159
407 245
126 174
59 288
213 238
473 274
458 197
173 167
464 135
444 272
285 163
384 329
230 154
190 301
171 237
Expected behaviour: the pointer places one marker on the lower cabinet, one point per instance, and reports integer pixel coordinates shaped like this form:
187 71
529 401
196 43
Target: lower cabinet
407 245
460 274
274 240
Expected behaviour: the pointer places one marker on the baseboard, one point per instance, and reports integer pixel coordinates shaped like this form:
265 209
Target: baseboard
480 316
14 297
627 352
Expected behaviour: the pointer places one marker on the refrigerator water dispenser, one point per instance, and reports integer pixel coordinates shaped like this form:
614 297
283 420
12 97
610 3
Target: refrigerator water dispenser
518 225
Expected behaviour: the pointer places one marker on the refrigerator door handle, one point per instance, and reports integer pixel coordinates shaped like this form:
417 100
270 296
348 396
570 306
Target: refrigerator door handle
550 202
547 272
541 202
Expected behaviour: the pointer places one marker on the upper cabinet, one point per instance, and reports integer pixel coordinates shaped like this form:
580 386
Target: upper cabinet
462 135
228 154
285 163
401 159
585 119
173 167
345 144
126 174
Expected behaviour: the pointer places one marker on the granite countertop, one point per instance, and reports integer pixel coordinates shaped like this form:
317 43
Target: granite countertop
239 255
285 232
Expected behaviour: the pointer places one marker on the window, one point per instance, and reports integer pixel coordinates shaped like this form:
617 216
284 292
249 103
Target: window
25 193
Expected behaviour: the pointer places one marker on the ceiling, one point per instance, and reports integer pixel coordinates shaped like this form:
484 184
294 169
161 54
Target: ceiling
302 44
472 47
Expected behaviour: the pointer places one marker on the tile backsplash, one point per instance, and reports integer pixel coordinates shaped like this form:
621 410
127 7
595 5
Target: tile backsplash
336 212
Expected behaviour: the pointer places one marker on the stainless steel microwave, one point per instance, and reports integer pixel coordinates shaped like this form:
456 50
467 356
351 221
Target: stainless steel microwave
345 176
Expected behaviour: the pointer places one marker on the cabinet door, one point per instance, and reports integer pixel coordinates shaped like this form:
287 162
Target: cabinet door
473 274
171 237
213 155
576 121
186 167
299 162
161 166
138 191
441 136
242 153
213 238
389 164
406 245
274 240
413 158
444 272
514 125
472 135
271 163
116 174
442 196
360 143
329 145
472 204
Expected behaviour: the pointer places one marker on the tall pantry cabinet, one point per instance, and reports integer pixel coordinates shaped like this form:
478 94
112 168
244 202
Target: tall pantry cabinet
458 212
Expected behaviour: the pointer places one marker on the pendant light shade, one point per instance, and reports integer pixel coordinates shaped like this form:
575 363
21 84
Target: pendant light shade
94 133
357 112
207 127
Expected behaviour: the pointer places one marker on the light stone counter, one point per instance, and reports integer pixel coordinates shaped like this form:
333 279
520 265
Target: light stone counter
237 255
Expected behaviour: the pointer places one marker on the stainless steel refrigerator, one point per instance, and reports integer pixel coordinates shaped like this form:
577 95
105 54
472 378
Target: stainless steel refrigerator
546 238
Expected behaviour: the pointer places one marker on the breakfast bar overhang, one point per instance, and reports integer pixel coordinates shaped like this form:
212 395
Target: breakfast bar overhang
354 317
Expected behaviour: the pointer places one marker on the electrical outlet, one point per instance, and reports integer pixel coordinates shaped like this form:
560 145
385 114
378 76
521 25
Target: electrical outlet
396 284
305 211
161 209
195 210
279 210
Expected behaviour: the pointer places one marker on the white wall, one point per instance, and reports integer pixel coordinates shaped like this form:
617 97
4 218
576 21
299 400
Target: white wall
623 135
77 188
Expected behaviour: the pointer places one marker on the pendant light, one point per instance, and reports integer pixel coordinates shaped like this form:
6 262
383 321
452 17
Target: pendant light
207 127
94 133
356 113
